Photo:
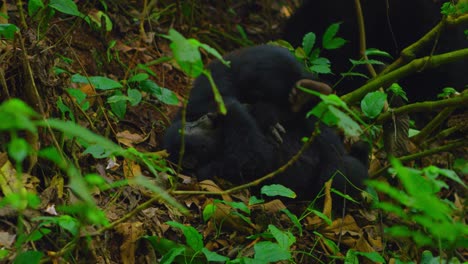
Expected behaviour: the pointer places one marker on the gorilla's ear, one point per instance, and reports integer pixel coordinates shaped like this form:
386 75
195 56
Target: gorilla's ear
298 98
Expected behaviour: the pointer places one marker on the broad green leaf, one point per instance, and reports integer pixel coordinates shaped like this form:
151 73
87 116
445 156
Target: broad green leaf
278 190
80 97
8 31
284 239
34 6
99 82
16 115
18 149
254 200
134 96
97 151
321 69
373 103
138 77
213 52
170 256
28 257
193 237
66 6
164 95
208 211
329 41
213 256
308 42
118 104
373 256
348 125
186 54
270 252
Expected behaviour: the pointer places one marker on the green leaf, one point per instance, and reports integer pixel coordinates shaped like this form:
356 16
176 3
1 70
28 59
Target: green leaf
398 91
237 205
34 6
213 52
164 95
321 215
29 257
254 200
278 190
193 238
208 211
321 69
377 52
364 62
308 42
447 92
284 239
134 96
16 115
358 74
171 255
138 77
293 219
348 125
97 151
373 256
80 98
65 6
118 104
18 149
213 256
8 31
186 54
97 18
270 252
99 82
329 41
4 253
373 103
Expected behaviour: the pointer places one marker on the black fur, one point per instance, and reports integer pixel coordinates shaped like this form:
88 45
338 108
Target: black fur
390 29
258 76
326 157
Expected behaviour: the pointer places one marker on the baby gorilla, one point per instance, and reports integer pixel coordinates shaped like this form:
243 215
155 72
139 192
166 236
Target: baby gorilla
262 77
324 158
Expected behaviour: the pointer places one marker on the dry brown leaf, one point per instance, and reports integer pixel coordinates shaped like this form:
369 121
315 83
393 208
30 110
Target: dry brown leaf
131 169
210 186
131 232
327 204
270 207
90 92
6 239
129 139
8 178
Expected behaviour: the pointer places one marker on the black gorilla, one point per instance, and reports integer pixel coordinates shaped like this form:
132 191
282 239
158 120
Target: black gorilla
205 156
262 77
390 26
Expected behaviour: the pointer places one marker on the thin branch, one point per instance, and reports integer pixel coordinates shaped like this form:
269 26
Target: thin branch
459 101
416 65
